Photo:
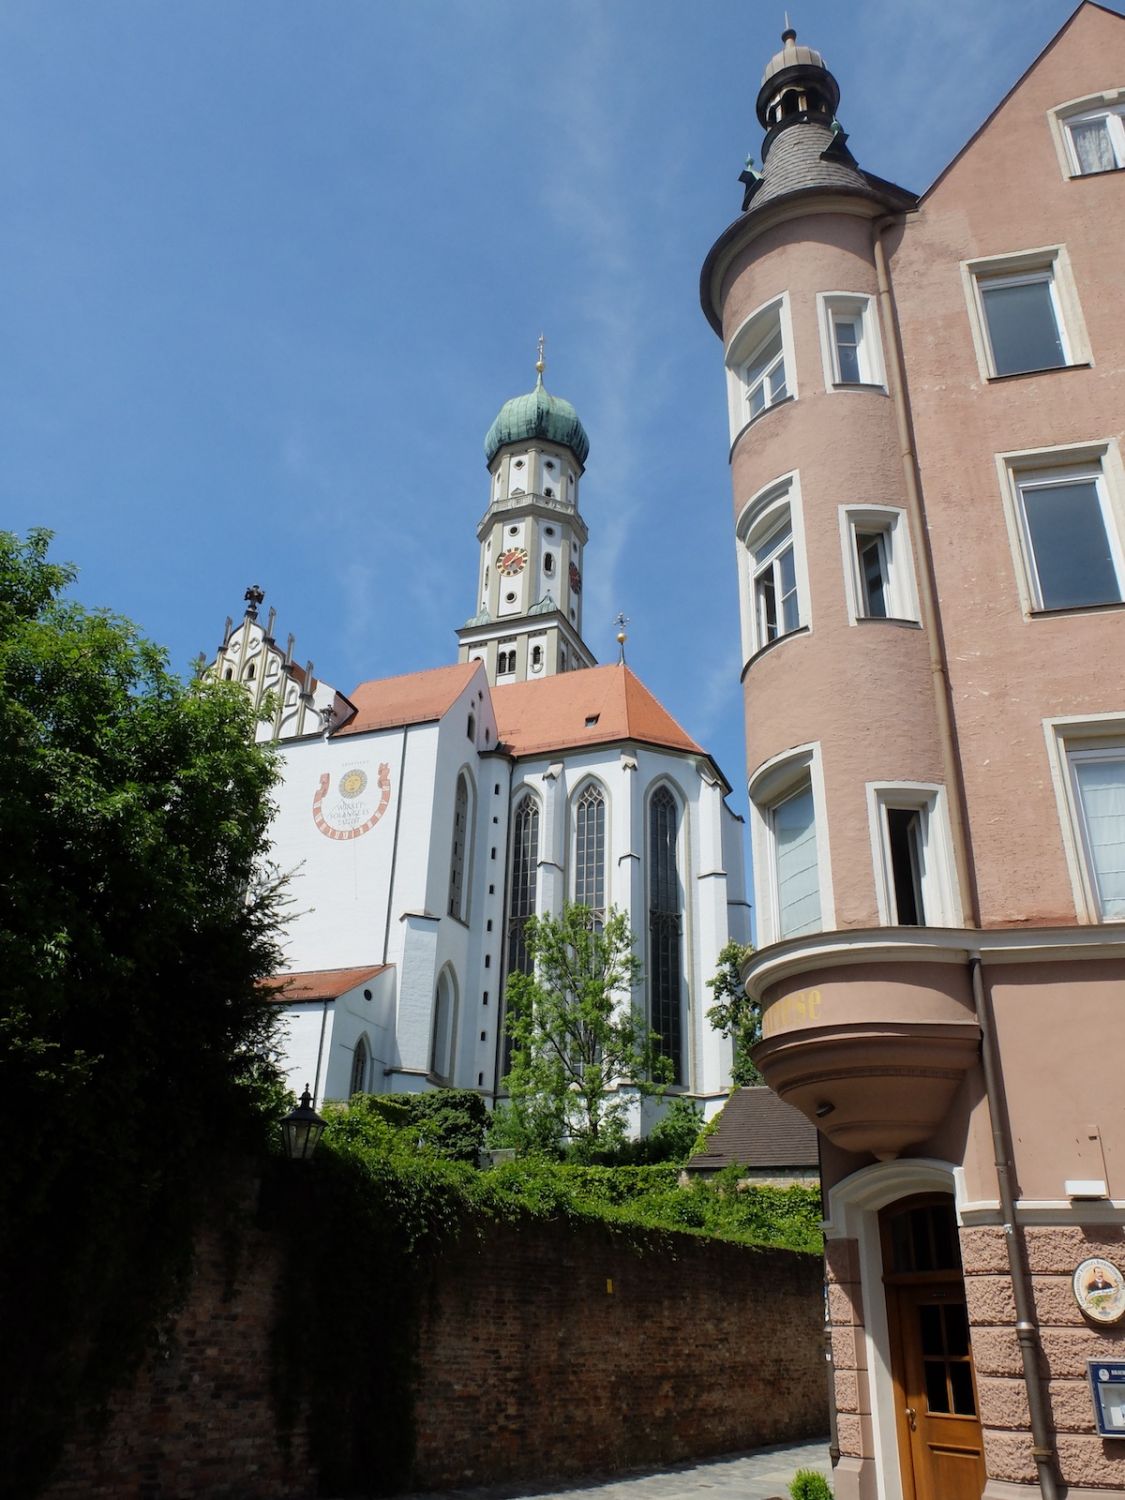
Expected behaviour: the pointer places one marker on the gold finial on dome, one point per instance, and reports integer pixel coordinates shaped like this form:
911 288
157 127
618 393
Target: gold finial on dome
541 363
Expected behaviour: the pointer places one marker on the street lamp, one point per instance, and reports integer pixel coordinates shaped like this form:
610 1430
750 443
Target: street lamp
302 1128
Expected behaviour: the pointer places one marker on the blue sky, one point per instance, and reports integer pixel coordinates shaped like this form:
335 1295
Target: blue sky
268 268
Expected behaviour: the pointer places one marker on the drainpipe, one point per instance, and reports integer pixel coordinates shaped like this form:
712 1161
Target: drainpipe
927 590
1027 1330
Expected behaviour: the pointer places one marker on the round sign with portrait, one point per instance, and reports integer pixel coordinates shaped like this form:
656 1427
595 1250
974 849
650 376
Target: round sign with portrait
1099 1290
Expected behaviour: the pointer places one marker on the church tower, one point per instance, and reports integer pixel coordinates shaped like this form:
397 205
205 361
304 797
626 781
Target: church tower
528 623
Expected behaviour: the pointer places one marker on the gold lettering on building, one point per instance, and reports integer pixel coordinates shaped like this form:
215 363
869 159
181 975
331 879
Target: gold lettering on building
791 1011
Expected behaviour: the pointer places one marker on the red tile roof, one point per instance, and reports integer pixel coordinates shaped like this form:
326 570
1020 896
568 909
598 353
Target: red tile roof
319 984
416 698
595 706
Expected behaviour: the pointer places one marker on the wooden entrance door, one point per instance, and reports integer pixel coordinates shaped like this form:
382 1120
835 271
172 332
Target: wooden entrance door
940 1444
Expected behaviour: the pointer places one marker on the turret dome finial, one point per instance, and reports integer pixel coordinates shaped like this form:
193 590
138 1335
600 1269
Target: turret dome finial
540 363
790 32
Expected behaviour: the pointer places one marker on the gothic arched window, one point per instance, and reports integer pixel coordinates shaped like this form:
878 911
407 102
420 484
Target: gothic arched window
359 1069
589 852
445 1012
457 854
665 921
524 879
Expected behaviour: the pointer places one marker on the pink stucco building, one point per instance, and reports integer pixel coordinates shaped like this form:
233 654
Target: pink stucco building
927 399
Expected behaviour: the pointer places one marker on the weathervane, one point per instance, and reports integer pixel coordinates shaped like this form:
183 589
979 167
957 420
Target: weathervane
541 363
621 621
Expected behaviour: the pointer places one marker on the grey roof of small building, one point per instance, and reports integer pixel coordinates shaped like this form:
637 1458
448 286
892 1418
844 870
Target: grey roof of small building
757 1129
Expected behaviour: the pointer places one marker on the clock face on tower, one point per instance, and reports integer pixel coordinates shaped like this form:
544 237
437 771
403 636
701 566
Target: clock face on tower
575 579
512 562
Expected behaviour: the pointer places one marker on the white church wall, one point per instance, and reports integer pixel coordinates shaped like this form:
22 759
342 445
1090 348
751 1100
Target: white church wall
354 1017
334 836
305 1036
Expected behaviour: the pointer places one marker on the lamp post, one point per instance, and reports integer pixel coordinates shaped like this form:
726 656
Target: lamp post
302 1128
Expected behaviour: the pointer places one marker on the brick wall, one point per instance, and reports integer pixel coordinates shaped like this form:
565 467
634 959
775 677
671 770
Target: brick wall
548 1353
543 1351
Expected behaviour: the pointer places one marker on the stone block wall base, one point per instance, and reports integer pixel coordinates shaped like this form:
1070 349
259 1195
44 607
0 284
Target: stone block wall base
854 1479
1000 1489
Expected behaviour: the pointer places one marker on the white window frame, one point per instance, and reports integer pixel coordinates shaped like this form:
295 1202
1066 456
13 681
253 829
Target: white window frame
1100 461
751 336
1067 737
1048 263
1108 105
774 782
759 519
861 308
901 590
941 906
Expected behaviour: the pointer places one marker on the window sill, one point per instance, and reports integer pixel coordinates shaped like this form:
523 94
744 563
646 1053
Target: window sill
753 422
772 646
1080 364
901 620
875 387
1076 609
1101 172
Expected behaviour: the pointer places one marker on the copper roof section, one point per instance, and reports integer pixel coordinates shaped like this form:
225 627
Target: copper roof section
596 706
757 1129
416 698
319 984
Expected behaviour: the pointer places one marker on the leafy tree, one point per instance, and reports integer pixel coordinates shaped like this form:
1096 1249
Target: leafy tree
135 1036
575 1033
734 1013
448 1123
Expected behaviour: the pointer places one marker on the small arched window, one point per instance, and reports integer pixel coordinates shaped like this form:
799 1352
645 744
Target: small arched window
445 1008
457 853
471 727
359 1069
228 674
250 671
549 564
536 658
665 922
589 852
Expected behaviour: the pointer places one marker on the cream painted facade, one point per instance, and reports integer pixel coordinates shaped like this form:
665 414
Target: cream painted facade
421 819
926 398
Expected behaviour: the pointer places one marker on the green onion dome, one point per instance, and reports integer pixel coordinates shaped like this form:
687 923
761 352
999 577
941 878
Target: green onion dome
537 415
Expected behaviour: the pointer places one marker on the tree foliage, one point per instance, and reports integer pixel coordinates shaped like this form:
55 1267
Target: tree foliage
135 1038
576 1034
734 1013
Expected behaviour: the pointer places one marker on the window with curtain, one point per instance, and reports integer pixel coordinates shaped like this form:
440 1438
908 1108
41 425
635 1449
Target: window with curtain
589 852
1097 141
457 854
665 925
359 1069
1099 787
792 823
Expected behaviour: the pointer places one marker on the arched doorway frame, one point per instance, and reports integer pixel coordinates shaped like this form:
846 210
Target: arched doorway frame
854 1205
